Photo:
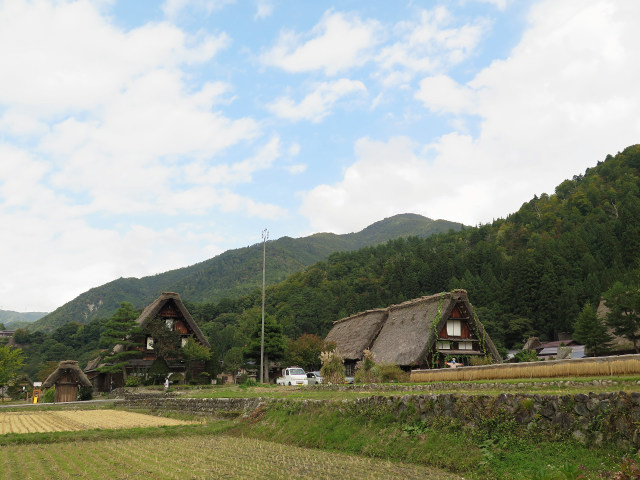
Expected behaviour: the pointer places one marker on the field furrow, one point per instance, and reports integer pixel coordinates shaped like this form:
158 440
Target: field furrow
53 421
195 457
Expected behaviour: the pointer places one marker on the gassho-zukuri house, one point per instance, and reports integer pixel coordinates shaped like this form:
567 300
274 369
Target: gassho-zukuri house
420 333
169 311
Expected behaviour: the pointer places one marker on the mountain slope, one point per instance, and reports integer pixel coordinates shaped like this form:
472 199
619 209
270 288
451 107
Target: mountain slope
236 272
528 274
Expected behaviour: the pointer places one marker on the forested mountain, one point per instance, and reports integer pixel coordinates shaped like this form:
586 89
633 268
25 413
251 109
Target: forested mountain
236 272
528 274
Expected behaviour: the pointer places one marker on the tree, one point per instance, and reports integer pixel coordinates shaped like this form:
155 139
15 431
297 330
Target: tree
11 360
194 352
305 351
624 315
591 331
233 360
121 329
274 343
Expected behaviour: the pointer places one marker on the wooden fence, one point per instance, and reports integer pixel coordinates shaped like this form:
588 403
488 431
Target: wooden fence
578 367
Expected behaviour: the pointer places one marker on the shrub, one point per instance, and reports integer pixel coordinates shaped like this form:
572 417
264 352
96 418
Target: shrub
133 381
49 396
332 367
525 356
392 373
85 393
366 369
249 382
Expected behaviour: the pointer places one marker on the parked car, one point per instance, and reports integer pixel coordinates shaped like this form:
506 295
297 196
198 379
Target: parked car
349 379
314 378
292 376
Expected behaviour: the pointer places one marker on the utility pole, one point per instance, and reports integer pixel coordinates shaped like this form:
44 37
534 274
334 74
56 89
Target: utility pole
265 236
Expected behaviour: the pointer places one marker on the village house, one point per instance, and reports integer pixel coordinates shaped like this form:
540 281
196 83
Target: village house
421 333
169 312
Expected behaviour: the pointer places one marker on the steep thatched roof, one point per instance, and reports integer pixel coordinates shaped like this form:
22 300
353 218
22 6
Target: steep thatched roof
356 333
65 367
403 334
154 308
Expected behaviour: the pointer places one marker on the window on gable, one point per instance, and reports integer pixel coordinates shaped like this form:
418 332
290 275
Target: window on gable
149 342
169 322
443 345
454 328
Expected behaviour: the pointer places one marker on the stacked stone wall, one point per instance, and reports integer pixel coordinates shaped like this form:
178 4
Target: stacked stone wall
587 418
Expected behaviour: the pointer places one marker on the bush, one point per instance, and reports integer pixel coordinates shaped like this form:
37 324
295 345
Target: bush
249 382
393 373
133 381
49 396
85 393
525 356
366 369
332 367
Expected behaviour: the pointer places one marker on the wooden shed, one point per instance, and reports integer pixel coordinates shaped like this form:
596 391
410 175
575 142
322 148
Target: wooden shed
67 379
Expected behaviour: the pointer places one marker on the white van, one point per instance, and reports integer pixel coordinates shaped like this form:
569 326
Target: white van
292 376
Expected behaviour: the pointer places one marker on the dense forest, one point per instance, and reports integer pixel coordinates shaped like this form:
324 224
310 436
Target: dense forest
528 274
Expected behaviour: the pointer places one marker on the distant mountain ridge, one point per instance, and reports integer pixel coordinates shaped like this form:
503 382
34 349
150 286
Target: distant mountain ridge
13 320
237 272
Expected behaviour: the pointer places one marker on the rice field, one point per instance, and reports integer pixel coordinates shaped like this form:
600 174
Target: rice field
196 457
72 420
580 367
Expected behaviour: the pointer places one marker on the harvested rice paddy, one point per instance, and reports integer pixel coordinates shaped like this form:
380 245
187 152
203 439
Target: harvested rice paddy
196 457
73 420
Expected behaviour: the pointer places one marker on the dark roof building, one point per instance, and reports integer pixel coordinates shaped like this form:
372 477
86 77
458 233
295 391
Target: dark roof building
169 312
415 334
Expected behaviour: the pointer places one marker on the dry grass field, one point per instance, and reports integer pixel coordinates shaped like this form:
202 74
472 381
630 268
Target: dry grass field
196 457
71 420
578 367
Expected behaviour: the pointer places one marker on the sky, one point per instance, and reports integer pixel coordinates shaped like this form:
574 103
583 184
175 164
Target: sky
141 136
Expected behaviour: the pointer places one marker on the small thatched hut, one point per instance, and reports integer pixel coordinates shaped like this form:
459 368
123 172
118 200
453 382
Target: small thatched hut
67 378
420 333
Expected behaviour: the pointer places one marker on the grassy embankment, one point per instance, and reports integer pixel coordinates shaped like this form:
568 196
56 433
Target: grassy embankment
494 450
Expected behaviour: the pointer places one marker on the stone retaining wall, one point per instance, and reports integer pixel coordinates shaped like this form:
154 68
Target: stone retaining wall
586 418
199 406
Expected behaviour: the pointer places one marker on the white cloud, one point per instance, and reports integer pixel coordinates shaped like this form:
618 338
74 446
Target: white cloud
337 43
564 98
106 123
499 4
429 44
64 57
239 172
316 105
442 94
173 8
264 9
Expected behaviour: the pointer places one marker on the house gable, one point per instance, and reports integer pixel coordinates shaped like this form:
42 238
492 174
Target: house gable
170 309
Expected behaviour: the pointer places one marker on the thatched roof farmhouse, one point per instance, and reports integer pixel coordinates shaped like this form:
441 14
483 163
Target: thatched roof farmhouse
67 378
419 333
169 310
